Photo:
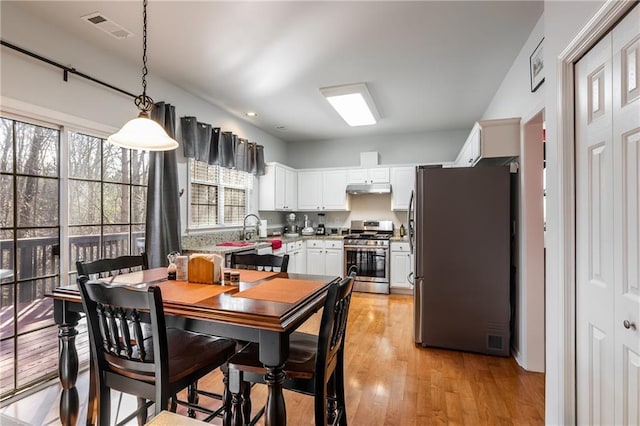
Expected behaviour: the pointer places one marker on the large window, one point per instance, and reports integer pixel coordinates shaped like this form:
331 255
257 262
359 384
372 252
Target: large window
218 196
64 196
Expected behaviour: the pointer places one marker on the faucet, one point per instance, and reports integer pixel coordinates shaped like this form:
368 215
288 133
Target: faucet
247 236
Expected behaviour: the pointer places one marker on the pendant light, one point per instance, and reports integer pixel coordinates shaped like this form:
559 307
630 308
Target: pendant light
142 133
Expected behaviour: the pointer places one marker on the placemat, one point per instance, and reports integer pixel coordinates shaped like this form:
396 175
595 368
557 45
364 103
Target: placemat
251 276
282 290
189 293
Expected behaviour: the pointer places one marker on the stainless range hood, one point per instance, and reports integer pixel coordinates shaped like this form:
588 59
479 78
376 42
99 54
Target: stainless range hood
369 188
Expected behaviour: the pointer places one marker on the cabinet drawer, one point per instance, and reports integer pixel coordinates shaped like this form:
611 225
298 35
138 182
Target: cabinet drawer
299 244
333 244
315 244
403 247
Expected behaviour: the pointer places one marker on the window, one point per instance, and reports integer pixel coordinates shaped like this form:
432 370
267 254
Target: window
49 218
218 196
107 199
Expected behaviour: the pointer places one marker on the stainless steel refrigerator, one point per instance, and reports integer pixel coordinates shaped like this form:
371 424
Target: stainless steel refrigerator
459 229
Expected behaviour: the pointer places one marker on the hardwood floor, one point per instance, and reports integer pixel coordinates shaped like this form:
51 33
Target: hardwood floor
391 381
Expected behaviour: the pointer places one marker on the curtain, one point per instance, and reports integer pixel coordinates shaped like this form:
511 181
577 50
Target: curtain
163 229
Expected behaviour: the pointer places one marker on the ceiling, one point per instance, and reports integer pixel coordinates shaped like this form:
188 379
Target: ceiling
430 66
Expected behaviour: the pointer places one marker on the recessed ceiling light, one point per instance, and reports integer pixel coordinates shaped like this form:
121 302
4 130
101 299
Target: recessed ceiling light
251 114
353 102
281 128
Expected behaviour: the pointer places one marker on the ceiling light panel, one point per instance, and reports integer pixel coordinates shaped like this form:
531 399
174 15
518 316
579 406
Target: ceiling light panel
353 102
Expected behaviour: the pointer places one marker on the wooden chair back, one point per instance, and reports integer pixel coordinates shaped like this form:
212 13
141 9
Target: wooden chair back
113 266
266 262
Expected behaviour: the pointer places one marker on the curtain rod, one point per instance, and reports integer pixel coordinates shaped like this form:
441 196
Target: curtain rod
66 69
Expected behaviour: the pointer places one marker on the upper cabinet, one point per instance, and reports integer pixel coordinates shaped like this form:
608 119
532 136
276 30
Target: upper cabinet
322 190
278 188
494 141
372 175
402 183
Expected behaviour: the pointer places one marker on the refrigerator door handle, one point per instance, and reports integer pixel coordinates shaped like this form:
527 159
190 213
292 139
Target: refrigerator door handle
410 221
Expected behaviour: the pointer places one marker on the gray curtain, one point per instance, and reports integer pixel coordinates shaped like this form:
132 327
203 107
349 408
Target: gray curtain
163 229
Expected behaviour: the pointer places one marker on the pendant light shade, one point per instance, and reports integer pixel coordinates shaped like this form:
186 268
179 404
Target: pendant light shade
142 133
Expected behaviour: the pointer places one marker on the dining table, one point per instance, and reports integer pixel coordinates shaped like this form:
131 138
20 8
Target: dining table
265 307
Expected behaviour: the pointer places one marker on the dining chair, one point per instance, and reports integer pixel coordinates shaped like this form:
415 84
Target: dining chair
112 266
154 367
315 365
266 262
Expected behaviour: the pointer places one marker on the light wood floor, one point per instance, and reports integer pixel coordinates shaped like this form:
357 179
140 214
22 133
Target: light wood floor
391 381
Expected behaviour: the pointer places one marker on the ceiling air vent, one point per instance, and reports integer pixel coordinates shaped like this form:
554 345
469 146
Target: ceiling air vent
100 21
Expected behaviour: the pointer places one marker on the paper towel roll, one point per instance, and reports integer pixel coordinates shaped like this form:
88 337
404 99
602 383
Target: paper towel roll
263 228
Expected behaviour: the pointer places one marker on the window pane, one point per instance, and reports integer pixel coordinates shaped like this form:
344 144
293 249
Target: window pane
84 244
116 164
139 167
234 206
36 150
116 203
6 146
6 360
234 177
138 234
204 205
116 241
6 311
38 355
84 156
204 172
35 253
6 207
85 200
6 256
37 201
138 204
35 310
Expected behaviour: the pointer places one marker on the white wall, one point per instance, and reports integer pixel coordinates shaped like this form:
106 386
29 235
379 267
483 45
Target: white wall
416 148
34 83
515 99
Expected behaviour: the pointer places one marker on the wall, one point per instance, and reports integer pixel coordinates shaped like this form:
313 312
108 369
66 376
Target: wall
417 148
35 84
515 99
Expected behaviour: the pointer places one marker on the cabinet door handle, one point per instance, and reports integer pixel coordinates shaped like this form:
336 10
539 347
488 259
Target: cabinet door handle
629 325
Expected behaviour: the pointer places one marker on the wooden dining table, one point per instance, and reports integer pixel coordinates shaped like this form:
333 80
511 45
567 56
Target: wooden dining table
266 307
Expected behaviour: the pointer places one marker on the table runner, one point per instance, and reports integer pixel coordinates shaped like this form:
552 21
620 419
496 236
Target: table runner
281 290
250 275
189 293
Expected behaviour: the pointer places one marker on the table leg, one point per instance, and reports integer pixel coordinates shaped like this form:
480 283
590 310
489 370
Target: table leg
275 411
68 368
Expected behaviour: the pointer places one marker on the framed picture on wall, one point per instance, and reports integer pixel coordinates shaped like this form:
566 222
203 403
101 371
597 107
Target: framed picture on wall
536 67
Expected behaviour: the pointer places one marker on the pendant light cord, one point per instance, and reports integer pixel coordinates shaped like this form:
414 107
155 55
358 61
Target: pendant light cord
144 102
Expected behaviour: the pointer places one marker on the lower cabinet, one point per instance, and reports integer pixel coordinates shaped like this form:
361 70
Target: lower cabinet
297 257
401 266
324 257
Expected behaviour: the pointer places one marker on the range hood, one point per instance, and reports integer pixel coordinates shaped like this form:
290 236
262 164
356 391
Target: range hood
369 188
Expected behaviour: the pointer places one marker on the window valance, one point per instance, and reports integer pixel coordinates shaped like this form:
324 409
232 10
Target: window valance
213 146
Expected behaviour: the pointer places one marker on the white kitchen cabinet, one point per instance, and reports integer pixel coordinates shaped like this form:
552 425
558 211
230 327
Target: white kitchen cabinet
297 257
278 188
490 139
372 175
322 190
401 266
324 257
402 183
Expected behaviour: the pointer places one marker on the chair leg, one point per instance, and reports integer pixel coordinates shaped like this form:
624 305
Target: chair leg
339 385
142 415
246 401
173 404
226 396
104 408
320 405
235 388
192 398
331 400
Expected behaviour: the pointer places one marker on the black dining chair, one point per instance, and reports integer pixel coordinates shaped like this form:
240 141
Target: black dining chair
265 262
315 365
154 367
112 266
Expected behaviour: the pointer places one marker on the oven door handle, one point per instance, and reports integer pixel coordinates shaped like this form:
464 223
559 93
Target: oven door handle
365 248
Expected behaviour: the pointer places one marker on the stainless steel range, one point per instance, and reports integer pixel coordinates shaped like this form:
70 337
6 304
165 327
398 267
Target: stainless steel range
367 247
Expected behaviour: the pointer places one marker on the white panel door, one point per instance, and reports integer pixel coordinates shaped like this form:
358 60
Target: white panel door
333 263
334 194
607 235
315 261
